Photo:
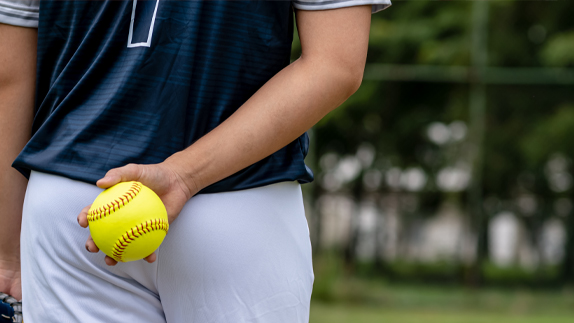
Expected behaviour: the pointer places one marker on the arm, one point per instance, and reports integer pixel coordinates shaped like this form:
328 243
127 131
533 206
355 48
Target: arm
334 45
17 82
334 50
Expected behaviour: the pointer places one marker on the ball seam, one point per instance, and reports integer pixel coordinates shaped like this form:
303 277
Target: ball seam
110 207
132 234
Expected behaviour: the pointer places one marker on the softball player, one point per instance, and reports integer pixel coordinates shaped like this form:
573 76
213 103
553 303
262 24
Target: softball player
198 100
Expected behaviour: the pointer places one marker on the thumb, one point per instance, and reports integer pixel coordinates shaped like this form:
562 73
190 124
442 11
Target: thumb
130 172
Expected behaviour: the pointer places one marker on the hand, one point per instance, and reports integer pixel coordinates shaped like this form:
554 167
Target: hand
10 281
163 179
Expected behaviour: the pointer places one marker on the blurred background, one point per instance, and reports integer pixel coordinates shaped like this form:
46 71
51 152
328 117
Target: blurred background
444 186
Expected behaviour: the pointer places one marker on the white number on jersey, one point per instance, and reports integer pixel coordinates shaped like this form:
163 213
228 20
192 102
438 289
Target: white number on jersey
141 25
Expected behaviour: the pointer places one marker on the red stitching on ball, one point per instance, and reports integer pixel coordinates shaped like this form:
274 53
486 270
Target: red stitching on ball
141 229
107 209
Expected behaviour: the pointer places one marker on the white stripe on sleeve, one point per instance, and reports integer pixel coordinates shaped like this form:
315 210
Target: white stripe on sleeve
378 5
22 13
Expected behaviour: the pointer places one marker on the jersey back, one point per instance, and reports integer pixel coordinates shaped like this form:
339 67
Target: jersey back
136 81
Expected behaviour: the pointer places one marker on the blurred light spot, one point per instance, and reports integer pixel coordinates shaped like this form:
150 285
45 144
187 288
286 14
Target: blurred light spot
413 179
366 154
367 217
537 34
330 182
393 178
560 182
453 179
458 130
527 204
503 234
556 170
438 133
553 240
336 219
372 179
557 163
328 161
367 227
348 169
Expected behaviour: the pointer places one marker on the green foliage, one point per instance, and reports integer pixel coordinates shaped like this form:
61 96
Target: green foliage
440 272
519 277
421 32
560 50
525 124
328 272
549 135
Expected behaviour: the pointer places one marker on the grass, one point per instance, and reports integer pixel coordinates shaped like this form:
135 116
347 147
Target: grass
340 296
332 313
355 300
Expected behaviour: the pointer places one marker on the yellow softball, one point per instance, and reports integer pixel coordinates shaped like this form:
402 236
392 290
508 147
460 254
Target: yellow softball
128 221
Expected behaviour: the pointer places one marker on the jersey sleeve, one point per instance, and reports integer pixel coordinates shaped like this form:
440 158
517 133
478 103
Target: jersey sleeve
378 5
23 13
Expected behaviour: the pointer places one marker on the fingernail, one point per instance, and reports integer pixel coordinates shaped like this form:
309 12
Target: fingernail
88 248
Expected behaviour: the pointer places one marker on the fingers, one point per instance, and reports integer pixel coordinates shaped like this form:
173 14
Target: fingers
110 262
130 172
91 245
151 258
83 217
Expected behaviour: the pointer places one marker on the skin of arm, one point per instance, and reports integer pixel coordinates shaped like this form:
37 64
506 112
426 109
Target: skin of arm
17 84
334 50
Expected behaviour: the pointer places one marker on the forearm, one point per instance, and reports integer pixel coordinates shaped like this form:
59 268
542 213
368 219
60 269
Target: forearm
283 109
13 187
14 131
17 81
334 44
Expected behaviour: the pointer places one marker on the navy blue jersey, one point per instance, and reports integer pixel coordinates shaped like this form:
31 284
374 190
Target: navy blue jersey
123 82
134 82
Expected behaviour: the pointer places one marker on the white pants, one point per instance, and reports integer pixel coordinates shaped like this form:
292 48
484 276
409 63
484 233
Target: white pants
229 257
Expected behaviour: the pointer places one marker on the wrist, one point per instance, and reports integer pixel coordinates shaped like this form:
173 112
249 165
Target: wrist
184 174
10 262
10 253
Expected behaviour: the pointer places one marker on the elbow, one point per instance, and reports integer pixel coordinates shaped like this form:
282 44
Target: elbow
352 78
356 79
341 78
